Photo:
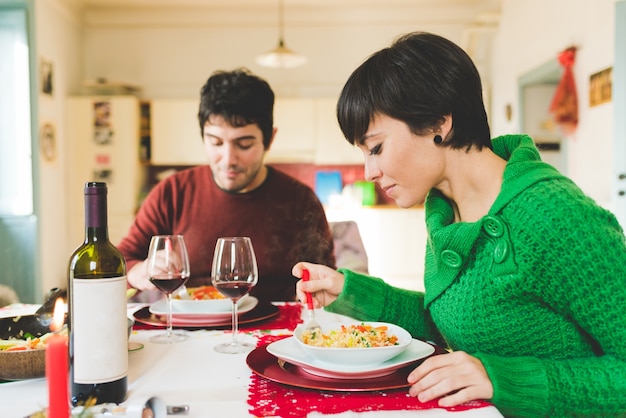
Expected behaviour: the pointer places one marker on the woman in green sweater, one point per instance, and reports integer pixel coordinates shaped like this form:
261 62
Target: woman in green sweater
525 276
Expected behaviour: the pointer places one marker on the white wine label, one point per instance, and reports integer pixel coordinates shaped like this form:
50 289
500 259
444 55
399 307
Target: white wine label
100 331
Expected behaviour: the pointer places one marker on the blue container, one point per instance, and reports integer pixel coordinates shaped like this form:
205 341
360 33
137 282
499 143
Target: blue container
327 183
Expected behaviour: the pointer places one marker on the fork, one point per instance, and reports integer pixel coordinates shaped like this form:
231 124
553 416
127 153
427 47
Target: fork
312 325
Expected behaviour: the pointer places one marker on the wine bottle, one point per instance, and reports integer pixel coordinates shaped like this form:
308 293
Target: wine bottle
98 340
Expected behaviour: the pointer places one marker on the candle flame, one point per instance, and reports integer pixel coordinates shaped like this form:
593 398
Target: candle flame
58 316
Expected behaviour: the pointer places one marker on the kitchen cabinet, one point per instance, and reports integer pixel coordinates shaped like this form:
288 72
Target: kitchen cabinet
394 240
175 133
295 135
331 146
307 132
103 145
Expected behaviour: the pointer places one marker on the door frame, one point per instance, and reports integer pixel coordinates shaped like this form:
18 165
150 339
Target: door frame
618 200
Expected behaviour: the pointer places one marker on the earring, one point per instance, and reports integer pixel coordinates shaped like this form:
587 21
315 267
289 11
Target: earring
438 139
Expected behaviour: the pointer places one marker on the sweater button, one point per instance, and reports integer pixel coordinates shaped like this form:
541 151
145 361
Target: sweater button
451 259
501 251
493 226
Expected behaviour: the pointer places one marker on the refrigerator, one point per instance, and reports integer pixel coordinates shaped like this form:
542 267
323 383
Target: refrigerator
104 145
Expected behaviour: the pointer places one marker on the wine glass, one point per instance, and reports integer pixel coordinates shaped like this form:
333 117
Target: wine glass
168 269
234 274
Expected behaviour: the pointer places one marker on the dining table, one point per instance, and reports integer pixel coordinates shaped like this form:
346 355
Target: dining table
192 374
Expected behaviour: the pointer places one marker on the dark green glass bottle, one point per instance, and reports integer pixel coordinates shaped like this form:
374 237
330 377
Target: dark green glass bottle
98 339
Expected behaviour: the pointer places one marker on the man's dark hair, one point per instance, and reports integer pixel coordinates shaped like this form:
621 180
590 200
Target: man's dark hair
240 98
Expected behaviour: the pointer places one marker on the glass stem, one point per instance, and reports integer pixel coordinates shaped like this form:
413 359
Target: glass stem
235 322
169 315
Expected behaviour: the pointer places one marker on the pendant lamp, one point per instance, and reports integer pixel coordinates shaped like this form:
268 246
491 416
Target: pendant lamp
281 56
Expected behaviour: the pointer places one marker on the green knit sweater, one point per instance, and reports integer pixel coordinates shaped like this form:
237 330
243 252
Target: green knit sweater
536 290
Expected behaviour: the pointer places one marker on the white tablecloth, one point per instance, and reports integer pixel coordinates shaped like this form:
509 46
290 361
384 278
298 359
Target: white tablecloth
191 373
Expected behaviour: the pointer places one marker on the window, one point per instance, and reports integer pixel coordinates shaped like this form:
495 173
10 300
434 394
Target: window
16 182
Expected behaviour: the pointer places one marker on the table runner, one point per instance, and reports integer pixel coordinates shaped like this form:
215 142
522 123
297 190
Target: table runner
267 398
289 316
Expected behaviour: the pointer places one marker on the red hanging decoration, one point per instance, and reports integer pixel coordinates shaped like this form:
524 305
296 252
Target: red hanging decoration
564 104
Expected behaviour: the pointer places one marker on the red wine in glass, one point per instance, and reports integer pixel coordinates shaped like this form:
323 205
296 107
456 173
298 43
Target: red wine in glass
234 290
167 284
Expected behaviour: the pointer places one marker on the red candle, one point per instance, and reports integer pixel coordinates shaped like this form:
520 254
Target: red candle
56 367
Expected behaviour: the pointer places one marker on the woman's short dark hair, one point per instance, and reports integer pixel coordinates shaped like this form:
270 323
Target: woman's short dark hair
240 98
418 80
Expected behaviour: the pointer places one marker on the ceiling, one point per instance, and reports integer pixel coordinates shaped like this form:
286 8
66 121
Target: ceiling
470 23
473 13
477 18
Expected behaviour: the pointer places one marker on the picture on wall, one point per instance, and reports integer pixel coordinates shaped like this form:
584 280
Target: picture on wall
46 77
600 87
47 142
103 128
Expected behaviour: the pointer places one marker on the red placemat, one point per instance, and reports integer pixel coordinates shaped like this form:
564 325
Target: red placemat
267 398
289 316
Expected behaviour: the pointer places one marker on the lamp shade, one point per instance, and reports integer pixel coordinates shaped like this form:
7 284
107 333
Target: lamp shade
281 57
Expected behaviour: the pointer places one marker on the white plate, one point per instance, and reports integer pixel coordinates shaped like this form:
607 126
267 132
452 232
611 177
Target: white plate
202 306
187 312
288 350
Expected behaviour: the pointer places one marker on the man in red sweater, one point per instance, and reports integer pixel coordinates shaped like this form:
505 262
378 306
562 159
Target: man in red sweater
236 194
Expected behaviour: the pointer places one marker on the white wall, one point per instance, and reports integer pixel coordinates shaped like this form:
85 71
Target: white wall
58 40
531 33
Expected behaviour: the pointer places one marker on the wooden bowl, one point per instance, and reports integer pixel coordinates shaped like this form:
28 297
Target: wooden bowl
17 365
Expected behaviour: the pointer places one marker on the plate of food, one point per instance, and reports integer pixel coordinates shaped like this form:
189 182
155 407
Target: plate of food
260 312
198 293
188 315
203 309
289 350
201 299
264 364
181 319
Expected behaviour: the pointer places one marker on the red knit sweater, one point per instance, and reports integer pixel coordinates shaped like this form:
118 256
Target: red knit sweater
283 218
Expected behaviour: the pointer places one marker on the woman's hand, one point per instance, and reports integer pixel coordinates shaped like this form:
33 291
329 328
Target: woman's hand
456 378
325 284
